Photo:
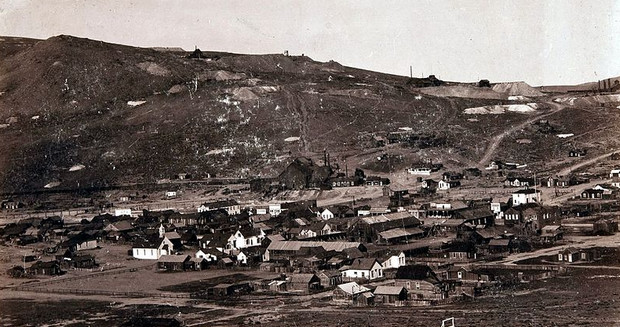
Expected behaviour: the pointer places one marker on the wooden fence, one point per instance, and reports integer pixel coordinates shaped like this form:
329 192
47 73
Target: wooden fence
101 292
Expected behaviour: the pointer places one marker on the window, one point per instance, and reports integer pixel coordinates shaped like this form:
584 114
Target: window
460 274
417 285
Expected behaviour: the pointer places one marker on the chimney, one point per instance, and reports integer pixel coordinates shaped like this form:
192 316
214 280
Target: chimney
324 157
328 165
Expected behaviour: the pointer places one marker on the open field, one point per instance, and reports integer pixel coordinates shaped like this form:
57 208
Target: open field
587 296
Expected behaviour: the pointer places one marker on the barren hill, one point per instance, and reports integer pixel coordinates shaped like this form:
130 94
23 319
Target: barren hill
138 115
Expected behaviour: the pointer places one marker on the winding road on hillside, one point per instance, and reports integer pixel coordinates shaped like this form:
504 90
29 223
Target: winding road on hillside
566 171
497 139
574 191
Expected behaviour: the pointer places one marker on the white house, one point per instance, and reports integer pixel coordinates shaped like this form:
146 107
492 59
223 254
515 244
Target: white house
493 165
326 214
244 239
446 185
307 233
615 176
393 261
424 171
315 230
365 268
363 212
525 196
122 212
209 255
242 258
152 249
232 207
275 209
496 208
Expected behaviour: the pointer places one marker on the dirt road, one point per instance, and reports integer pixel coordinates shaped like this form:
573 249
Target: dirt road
566 171
497 139
577 242
575 191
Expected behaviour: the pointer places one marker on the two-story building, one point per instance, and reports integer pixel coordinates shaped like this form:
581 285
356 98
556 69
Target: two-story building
525 196
363 268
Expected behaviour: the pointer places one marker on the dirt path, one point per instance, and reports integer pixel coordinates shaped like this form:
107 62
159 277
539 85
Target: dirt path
497 139
576 190
579 242
566 171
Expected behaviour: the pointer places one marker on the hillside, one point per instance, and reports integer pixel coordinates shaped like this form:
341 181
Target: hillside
138 115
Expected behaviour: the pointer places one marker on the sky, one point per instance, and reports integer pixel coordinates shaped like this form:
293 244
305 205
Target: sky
541 42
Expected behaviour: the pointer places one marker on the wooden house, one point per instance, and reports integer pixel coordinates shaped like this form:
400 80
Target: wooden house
80 242
519 182
231 207
363 268
330 278
352 294
303 282
445 185
152 248
222 290
499 245
174 263
390 295
422 284
569 255
551 233
49 268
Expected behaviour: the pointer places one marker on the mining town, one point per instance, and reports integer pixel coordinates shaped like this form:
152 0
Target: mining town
169 186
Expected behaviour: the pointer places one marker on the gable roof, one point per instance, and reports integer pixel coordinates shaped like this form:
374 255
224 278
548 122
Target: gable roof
120 226
474 213
388 290
416 272
297 245
151 242
221 203
302 278
400 232
499 242
363 264
352 288
387 217
172 235
174 258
